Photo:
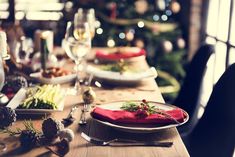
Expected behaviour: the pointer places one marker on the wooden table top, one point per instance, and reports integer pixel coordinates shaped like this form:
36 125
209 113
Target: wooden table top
80 148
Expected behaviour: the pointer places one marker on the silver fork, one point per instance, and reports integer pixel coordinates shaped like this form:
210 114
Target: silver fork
82 120
124 142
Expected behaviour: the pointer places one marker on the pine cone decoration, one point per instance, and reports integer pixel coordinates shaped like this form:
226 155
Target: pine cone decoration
14 83
28 138
89 96
7 117
51 128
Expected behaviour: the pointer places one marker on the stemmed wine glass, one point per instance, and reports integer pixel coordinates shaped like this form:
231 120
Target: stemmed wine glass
77 43
89 17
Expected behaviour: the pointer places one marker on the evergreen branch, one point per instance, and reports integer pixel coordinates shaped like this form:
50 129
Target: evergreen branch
28 126
10 132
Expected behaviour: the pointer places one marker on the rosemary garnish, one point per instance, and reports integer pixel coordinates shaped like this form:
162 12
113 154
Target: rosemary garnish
145 109
134 107
121 66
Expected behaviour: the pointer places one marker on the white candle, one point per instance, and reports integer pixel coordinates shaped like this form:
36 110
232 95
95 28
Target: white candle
48 35
3 44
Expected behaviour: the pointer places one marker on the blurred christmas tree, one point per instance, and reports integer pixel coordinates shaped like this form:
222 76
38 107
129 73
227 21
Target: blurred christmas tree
148 24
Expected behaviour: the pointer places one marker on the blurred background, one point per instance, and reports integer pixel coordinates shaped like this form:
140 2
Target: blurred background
170 31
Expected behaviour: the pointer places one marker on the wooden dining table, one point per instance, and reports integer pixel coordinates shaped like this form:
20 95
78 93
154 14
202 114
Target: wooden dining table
147 89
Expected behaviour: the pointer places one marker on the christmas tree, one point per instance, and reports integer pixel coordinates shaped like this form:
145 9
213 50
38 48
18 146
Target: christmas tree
148 24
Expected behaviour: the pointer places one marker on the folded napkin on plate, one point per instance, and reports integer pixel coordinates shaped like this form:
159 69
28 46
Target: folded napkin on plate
122 116
118 55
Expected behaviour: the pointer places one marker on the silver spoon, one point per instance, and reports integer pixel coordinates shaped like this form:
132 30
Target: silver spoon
70 119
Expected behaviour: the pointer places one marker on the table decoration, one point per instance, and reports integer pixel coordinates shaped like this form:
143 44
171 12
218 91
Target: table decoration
51 128
66 134
30 137
3 45
49 37
7 117
139 116
117 53
88 97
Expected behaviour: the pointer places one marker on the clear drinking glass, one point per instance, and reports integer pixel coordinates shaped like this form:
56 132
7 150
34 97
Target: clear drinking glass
89 17
77 44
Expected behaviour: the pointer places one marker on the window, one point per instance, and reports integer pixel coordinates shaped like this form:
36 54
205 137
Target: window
41 10
220 28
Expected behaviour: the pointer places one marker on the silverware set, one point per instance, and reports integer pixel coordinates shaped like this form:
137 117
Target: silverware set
124 142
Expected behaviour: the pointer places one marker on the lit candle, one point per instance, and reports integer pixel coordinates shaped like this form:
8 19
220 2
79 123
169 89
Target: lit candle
48 35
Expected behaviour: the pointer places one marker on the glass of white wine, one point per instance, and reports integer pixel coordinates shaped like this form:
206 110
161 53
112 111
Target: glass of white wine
87 15
77 44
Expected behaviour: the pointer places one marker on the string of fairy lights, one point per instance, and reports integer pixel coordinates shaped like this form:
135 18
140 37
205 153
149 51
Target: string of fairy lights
166 8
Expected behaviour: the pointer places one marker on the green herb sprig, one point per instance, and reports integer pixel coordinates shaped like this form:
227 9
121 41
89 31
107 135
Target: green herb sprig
28 124
145 109
133 107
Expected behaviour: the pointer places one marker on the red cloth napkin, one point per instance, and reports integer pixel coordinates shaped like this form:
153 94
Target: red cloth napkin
119 55
122 116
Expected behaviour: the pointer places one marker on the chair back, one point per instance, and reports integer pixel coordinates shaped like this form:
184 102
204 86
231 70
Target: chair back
188 97
214 135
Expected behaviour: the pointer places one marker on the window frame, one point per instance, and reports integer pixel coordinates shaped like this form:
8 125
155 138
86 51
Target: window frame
204 25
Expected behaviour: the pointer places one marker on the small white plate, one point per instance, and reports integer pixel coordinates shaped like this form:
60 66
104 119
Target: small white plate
139 128
56 80
126 77
21 95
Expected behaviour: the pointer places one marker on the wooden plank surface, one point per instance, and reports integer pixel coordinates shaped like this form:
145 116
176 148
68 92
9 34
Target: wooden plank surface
80 148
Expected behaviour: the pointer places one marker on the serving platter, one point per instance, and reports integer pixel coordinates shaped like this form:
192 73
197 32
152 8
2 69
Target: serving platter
123 78
55 80
21 95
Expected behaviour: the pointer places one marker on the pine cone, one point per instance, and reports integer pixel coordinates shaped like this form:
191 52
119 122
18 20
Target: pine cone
7 117
51 128
28 139
13 84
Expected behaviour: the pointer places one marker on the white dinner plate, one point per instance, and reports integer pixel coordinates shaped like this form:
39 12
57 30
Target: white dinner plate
140 128
56 80
125 78
19 98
